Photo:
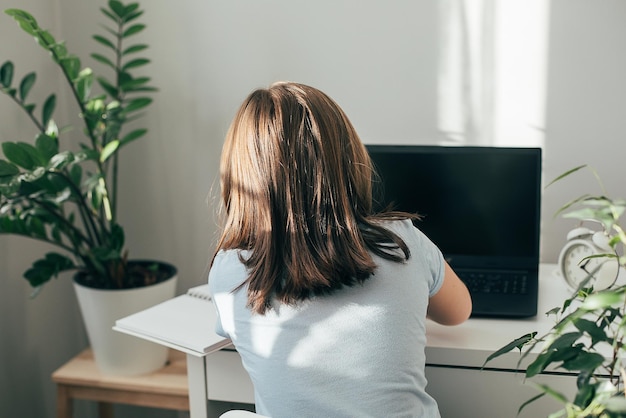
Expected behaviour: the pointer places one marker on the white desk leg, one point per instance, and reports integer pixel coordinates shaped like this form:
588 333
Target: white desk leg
196 377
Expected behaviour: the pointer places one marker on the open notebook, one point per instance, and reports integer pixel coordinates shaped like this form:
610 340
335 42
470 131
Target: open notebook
185 323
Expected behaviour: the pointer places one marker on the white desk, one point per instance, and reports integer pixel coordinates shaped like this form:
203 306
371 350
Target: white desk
455 355
454 358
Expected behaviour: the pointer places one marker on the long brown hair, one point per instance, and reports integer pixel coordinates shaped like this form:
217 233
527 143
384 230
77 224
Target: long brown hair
297 192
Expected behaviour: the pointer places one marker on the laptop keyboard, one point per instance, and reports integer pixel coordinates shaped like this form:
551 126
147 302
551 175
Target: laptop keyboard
495 282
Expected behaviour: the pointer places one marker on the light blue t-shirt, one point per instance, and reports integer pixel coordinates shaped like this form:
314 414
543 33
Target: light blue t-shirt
358 352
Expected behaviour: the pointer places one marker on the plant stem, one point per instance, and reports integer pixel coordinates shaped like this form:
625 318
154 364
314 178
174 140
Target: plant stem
75 231
90 133
87 220
30 114
119 98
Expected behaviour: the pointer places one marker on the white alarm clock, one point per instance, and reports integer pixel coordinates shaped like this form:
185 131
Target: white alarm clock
575 267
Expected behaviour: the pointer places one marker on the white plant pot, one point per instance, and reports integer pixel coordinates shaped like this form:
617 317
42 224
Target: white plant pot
116 353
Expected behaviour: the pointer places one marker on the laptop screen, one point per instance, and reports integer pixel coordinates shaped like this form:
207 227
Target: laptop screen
480 205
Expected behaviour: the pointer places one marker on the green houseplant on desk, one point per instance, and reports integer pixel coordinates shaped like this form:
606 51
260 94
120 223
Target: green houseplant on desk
589 335
68 198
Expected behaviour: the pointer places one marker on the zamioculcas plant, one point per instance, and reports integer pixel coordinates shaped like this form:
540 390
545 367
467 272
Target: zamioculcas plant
68 198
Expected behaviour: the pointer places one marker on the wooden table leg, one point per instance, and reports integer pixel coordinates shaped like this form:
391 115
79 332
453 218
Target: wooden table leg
64 403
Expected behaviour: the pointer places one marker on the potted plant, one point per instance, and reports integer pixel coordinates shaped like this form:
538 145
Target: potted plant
589 335
68 198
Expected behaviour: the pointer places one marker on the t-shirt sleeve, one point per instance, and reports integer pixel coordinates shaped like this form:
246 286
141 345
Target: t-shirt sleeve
430 255
219 329
439 275
216 288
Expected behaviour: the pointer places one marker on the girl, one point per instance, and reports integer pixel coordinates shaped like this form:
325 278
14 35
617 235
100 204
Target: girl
325 300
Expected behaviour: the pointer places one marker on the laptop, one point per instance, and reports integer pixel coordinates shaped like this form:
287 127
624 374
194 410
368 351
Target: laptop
481 207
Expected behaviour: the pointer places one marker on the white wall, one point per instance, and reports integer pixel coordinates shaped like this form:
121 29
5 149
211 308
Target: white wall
586 101
36 336
377 59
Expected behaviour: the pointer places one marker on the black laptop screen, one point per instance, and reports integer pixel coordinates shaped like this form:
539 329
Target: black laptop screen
480 205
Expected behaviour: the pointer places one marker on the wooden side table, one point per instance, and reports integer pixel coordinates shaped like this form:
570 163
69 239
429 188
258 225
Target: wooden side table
80 379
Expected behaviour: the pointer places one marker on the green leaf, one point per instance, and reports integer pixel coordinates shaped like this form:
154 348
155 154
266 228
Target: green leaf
53 185
108 87
584 361
528 402
567 173
6 74
58 50
565 340
48 109
71 66
135 63
131 136
12 225
63 196
130 9
517 343
132 16
36 228
46 268
109 14
26 21
130 83
45 39
132 30
117 237
142 89
60 160
29 180
87 154
549 391
602 300
83 84
96 191
55 232
95 107
566 353
22 154
26 84
10 91
117 8
134 48
540 363
76 174
29 107
104 41
7 169
105 253
586 390
111 31
47 146
596 332
104 60
108 150
137 104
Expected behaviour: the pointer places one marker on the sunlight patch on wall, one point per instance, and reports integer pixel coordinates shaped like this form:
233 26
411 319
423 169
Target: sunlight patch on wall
492 72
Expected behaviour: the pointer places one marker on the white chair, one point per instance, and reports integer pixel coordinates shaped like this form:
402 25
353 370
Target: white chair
241 414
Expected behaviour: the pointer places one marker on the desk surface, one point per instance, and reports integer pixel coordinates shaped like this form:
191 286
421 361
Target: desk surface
470 343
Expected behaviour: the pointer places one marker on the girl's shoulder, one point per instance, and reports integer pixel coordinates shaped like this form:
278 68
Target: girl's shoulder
227 271
404 228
